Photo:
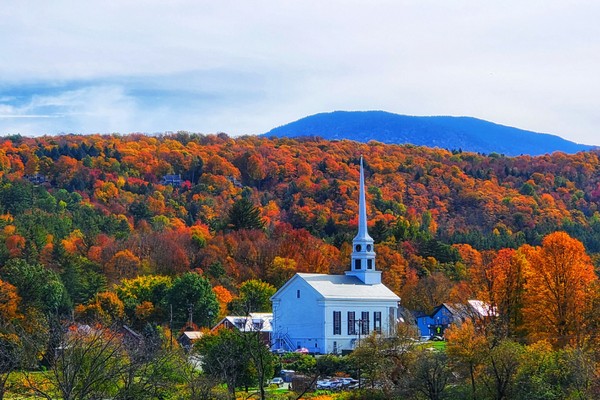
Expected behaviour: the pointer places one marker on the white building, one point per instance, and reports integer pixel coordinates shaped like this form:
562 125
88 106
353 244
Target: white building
254 322
330 313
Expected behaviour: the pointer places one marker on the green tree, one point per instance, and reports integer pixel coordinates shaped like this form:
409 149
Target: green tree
430 374
153 371
262 359
151 289
501 365
38 286
224 357
255 296
386 360
192 292
244 215
82 278
562 374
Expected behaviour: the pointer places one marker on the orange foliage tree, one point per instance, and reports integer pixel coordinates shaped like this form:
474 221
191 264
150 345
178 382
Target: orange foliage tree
105 307
9 302
224 297
124 264
559 290
508 275
465 344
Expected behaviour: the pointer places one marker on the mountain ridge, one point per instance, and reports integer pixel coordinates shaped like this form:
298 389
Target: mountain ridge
465 133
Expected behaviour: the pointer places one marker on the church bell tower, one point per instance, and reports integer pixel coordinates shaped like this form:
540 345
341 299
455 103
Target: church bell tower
363 252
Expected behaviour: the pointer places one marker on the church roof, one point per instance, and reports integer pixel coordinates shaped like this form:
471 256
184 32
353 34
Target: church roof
347 287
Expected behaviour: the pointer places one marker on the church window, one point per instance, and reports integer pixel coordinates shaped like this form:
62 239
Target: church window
369 247
298 293
369 264
377 321
337 322
357 263
358 247
351 323
364 326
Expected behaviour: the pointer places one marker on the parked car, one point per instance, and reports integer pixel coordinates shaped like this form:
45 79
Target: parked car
336 384
348 381
277 381
324 384
287 374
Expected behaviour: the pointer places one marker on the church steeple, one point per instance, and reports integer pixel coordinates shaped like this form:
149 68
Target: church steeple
363 253
363 234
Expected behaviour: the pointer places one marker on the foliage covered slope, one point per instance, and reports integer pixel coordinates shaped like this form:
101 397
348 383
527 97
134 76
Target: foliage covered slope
104 213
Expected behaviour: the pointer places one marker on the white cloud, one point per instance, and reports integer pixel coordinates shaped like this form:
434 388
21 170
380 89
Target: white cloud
245 67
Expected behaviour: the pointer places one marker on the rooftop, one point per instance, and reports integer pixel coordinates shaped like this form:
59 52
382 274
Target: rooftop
347 287
253 322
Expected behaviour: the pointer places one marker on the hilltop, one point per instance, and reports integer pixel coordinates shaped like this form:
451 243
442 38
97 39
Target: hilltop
452 133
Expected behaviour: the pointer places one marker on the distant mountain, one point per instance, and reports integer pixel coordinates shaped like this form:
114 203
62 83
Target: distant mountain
466 133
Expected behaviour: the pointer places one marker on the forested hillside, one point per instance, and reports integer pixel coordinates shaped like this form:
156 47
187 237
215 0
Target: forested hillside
467 133
90 214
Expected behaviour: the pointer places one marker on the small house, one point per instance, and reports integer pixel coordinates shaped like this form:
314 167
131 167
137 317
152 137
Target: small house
254 322
36 179
446 314
187 339
171 179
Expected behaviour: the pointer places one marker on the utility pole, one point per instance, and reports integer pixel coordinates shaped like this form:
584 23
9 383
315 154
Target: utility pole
360 326
171 326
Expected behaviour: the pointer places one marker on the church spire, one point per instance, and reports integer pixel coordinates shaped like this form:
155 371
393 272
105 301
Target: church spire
363 253
363 233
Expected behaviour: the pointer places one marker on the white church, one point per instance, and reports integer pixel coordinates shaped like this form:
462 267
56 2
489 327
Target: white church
330 313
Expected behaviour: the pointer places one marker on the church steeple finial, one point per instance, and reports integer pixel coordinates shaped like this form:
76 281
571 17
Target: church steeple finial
363 253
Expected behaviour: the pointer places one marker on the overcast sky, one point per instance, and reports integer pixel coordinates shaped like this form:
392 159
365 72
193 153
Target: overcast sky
244 67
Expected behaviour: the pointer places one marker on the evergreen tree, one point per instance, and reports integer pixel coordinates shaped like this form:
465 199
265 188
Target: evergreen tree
244 215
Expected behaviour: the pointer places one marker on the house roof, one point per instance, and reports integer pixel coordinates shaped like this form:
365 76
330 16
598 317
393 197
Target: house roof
482 308
192 335
131 332
473 308
253 322
341 287
457 309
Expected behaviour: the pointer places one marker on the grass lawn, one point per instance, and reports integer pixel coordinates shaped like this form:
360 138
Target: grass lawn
16 381
438 346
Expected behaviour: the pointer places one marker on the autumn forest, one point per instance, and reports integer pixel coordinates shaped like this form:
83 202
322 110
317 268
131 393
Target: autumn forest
145 229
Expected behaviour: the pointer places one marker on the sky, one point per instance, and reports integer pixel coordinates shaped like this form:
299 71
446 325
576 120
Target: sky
245 67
